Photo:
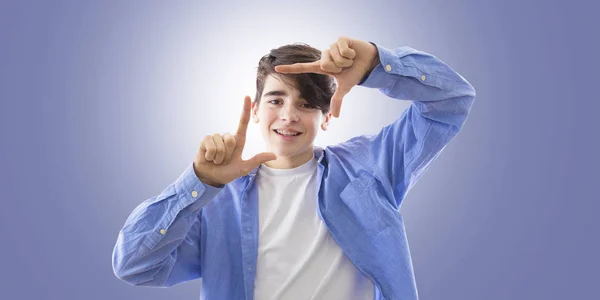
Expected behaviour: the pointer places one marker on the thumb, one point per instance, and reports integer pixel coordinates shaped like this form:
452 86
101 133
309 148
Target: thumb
258 159
336 102
342 89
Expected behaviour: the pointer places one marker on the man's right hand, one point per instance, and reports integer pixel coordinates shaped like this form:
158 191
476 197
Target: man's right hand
219 158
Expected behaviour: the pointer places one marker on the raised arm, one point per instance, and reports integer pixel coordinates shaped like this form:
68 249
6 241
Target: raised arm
159 244
404 149
442 99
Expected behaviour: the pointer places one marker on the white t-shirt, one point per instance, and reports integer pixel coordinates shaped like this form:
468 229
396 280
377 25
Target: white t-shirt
297 256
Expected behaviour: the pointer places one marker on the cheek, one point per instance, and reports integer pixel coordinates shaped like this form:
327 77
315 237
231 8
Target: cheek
313 126
266 120
267 113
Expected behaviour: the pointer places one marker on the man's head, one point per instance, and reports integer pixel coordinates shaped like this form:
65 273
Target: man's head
291 102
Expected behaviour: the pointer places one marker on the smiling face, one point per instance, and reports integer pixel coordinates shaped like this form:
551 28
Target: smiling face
288 123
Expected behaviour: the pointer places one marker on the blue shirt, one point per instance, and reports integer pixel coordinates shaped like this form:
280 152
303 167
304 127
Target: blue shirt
193 230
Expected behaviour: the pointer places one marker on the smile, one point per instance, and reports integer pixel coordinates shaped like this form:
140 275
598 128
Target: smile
287 134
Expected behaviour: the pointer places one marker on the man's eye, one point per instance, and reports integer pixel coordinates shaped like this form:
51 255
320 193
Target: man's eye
277 101
306 105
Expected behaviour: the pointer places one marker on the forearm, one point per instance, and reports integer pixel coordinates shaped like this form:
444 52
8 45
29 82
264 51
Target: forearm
145 252
442 99
409 74
440 93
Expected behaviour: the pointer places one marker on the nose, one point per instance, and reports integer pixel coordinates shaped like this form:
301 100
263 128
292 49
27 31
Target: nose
289 113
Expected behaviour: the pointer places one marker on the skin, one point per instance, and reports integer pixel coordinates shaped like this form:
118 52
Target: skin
219 157
287 111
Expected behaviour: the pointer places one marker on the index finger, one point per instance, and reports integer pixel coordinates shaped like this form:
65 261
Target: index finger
245 118
311 67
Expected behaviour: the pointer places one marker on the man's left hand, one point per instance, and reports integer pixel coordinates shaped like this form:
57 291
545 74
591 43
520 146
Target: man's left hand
347 60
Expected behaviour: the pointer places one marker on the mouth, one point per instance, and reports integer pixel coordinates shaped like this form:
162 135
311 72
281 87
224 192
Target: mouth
287 134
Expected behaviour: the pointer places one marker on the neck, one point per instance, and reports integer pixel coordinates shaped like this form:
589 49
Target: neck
290 162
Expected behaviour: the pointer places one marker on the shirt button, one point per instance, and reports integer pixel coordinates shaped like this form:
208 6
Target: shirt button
249 268
423 77
163 231
194 194
388 68
248 229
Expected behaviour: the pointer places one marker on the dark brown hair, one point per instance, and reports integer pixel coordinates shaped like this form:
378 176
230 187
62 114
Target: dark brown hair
316 89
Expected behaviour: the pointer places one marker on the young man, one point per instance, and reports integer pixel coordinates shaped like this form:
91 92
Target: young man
300 221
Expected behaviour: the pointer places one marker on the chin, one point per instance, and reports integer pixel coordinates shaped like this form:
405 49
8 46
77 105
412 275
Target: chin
287 149
280 151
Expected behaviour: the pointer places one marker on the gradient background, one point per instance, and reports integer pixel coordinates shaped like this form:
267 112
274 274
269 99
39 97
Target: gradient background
104 104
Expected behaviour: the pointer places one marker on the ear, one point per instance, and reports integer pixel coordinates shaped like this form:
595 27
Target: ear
254 109
325 123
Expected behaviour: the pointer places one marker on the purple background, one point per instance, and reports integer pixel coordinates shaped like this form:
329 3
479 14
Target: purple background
104 104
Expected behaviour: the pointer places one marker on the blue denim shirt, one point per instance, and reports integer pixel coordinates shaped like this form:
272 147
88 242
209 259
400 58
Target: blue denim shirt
192 230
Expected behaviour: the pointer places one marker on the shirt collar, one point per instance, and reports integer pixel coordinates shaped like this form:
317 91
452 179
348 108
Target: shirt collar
318 151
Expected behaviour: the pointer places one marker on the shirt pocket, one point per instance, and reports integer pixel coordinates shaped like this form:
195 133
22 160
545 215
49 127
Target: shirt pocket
365 208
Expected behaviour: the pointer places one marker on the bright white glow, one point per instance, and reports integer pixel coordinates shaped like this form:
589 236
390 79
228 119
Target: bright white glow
213 72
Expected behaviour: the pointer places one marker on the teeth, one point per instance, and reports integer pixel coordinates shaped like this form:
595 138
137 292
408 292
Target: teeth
287 133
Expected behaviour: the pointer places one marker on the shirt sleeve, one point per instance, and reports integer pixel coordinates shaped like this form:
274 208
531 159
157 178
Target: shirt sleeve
159 245
442 99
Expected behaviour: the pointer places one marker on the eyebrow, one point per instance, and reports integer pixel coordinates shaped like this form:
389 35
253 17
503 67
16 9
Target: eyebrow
275 93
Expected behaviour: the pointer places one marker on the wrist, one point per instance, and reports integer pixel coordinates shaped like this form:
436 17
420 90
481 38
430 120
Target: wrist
375 61
206 181
211 183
